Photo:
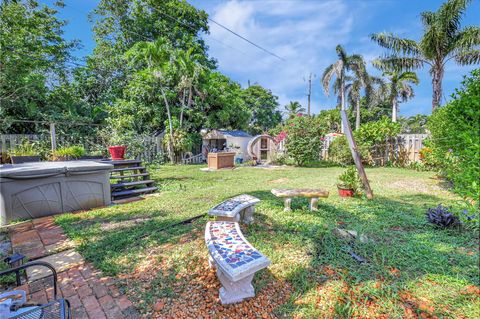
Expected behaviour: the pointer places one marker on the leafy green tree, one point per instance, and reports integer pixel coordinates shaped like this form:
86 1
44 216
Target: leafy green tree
455 138
224 105
339 69
294 108
33 62
398 87
264 108
443 40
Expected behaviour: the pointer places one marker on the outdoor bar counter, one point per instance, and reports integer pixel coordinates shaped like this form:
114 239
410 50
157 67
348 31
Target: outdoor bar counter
33 190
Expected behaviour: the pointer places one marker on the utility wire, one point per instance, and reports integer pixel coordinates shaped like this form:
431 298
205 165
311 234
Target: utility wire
245 39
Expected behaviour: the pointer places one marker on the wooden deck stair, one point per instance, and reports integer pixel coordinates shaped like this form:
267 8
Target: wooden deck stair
129 178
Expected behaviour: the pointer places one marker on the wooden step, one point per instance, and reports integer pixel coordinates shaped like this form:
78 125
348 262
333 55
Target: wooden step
127 184
129 176
123 169
132 192
124 162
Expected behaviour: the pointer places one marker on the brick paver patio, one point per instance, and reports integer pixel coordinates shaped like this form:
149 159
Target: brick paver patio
92 296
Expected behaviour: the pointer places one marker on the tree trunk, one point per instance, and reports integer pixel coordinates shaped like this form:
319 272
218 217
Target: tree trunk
183 107
342 99
394 109
171 154
437 78
357 109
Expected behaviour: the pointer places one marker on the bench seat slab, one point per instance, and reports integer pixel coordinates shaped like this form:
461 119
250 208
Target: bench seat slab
235 259
233 206
300 192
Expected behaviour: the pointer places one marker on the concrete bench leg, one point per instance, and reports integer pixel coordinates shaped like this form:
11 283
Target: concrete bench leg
235 291
313 203
248 214
235 218
288 203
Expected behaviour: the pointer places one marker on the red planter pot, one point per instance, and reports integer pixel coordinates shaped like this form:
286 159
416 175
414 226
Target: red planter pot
117 152
346 192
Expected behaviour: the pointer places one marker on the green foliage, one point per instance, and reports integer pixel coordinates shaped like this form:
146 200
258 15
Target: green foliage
372 138
349 179
33 62
69 152
26 148
263 105
304 139
455 134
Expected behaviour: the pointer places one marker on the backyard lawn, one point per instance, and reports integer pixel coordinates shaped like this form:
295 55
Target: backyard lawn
412 268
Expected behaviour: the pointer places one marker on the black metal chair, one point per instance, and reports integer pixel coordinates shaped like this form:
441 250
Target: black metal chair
57 308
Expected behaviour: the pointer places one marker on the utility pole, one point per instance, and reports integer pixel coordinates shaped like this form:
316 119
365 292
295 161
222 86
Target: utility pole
309 95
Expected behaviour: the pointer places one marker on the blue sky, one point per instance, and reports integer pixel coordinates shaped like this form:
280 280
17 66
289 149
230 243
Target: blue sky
305 34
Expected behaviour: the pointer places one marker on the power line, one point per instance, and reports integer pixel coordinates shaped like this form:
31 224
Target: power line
245 39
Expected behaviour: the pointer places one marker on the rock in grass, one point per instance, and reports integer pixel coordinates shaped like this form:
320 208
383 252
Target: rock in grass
350 235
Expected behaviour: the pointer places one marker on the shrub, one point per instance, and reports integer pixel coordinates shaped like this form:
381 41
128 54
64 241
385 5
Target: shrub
455 134
304 139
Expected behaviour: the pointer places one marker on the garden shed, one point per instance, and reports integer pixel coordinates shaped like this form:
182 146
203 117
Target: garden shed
226 140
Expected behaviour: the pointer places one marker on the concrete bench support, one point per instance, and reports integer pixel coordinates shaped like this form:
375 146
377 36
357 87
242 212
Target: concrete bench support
235 260
288 194
235 209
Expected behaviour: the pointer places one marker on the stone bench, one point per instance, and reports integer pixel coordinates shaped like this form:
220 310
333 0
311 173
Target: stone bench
235 260
288 194
236 208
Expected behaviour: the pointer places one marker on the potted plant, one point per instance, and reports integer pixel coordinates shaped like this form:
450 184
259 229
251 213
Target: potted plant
23 153
116 141
348 182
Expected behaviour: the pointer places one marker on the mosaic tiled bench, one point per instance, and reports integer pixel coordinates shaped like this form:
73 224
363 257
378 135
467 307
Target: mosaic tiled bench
313 194
235 260
236 208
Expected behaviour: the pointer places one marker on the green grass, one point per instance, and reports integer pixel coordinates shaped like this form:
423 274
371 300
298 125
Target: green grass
411 265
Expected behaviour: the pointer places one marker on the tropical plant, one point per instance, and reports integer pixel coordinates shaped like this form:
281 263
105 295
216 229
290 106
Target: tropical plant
156 56
443 40
294 108
263 106
26 148
349 179
398 88
339 69
442 217
69 152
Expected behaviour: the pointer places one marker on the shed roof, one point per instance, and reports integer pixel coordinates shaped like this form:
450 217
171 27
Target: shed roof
236 133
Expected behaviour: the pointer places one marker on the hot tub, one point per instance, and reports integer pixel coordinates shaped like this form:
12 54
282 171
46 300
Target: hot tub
33 190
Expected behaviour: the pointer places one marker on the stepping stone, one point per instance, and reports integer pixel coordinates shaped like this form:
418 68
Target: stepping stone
61 262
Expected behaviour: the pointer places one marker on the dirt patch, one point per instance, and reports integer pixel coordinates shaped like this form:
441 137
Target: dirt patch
109 226
279 181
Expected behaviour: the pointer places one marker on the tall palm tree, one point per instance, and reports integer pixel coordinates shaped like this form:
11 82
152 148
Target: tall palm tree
339 69
293 108
189 69
398 87
443 40
157 57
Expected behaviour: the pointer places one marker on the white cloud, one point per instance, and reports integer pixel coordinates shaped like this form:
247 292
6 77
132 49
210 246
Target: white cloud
304 35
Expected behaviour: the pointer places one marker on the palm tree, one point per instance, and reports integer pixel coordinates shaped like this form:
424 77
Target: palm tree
157 56
293 108
189 69
339 69
443 40
398 86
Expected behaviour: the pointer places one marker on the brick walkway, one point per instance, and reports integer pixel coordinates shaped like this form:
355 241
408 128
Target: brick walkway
92 296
